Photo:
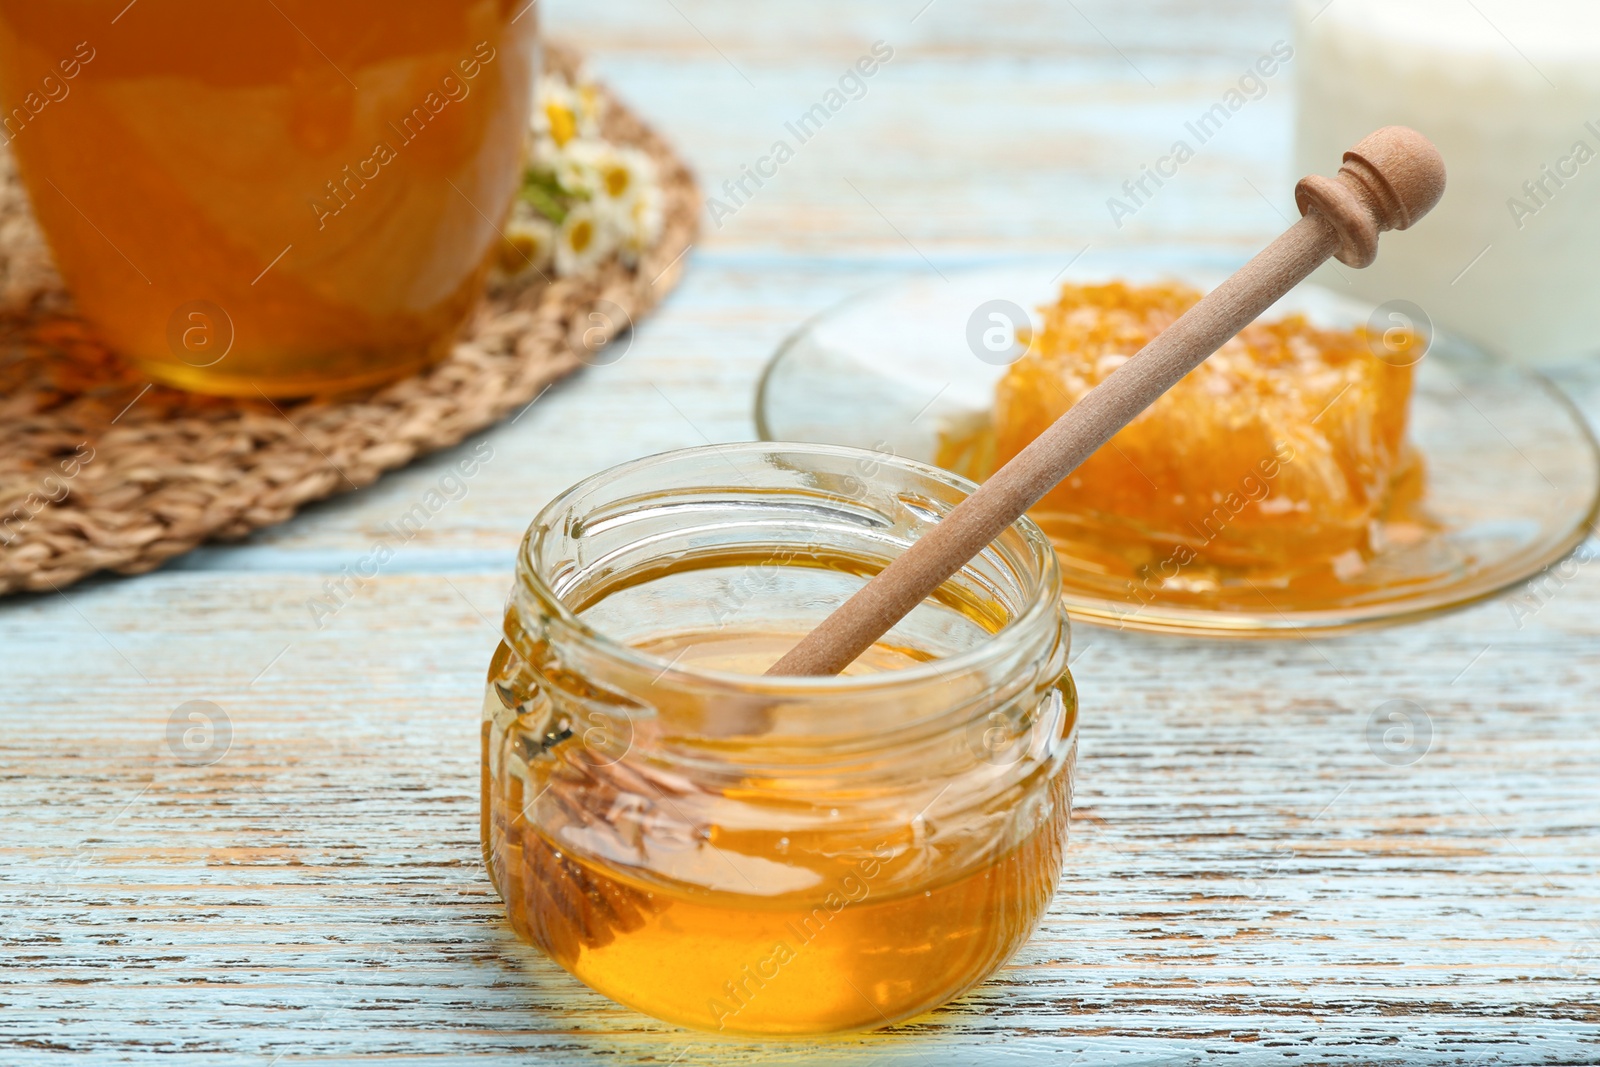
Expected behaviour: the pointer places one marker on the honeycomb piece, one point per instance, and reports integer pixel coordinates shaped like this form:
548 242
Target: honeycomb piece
1278 450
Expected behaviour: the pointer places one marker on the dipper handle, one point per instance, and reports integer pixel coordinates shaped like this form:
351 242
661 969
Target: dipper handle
1388 181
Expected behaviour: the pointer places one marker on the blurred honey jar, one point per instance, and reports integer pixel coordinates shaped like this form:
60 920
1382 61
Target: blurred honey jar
276 197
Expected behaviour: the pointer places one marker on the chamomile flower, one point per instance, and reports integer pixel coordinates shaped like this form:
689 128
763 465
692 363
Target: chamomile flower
623 173
563 112
643 224
528 243
584 240
577 167
591 105
589 198
555 113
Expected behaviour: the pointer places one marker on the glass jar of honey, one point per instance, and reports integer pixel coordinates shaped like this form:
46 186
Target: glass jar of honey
278 197
773 855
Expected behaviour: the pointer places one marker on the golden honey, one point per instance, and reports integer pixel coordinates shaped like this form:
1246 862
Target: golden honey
280 197
775 856
1282 446
811 931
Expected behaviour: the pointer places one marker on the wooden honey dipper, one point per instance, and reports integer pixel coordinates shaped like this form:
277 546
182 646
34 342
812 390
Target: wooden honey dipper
1388 181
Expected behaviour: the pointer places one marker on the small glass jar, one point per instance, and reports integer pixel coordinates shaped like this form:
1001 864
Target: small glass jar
773 855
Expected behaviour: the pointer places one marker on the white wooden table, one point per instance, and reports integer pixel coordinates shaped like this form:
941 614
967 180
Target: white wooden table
1246 878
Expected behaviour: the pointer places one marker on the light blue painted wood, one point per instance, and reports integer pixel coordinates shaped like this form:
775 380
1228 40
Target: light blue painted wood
1245 878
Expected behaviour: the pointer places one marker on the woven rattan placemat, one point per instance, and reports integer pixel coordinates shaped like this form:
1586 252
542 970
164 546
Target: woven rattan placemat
101 470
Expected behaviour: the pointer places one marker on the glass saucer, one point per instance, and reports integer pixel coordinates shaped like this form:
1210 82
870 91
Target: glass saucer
1508 483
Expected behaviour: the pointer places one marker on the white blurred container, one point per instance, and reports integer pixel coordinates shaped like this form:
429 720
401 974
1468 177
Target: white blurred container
1509 90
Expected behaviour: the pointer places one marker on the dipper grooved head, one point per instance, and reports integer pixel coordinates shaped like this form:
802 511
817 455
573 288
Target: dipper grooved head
1389 180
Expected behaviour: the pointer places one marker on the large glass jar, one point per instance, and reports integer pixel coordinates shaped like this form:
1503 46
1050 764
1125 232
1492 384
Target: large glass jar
278 198
764 855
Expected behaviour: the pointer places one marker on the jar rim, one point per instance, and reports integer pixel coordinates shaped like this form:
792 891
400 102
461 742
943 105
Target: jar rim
1043 597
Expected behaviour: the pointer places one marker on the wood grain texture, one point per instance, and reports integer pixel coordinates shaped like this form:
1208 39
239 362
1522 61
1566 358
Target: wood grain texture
1246 879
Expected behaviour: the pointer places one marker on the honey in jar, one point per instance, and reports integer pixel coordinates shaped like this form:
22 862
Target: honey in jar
781 856
1282 448
269 196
